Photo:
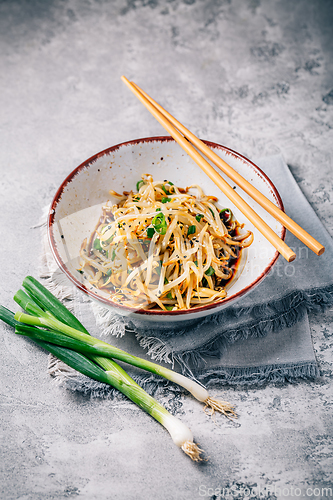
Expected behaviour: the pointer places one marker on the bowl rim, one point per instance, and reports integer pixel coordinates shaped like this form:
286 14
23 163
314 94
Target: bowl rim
149 312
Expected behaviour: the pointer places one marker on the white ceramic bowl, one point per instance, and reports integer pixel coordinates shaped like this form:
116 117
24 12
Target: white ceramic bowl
77 204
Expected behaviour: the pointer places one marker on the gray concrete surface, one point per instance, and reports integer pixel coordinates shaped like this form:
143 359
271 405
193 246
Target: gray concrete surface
254 75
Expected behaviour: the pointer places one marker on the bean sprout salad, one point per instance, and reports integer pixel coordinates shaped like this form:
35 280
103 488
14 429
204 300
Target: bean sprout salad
163 247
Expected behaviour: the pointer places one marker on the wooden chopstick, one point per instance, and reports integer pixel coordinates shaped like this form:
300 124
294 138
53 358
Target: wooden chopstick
276 212
233 196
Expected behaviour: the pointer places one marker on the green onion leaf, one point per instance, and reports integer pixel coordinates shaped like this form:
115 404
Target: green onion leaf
8 316
204 283
226 214
199 217
165 199
139 184
191 230
48 302
113 255
160 224
150 232
97 244
210 271
211 212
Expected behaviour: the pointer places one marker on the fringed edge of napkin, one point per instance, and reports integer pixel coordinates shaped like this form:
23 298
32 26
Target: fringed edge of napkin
259 376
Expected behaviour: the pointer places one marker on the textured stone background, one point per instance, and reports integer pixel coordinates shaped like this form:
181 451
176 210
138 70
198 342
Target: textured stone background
254 75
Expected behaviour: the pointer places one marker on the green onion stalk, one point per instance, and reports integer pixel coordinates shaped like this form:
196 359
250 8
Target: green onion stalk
91 345
51 325
108 371
70 326
61 334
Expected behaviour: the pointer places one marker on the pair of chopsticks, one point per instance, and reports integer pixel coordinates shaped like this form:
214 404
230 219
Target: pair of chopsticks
176 129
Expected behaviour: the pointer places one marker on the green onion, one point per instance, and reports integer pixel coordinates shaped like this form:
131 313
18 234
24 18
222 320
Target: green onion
226 214
165 200
191 230
47 301
110 373
211 212
160 224
87 342
23 300
113 256
204 282
51 313
97 244
7 316
118 378
199 217
150 232
139 184
210 271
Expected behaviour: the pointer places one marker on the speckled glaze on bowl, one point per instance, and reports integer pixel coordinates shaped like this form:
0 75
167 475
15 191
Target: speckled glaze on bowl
77 204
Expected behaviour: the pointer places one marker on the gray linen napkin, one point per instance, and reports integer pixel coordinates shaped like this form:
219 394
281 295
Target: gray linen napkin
264 337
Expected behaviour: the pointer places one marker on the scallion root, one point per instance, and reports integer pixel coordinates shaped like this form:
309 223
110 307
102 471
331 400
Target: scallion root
213 405
192 450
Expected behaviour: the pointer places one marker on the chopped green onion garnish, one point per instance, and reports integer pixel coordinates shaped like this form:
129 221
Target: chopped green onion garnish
199 217
97 244
165 200
210 271
191 230
226 214
139 184
204 282
113 256
150 232
211 212
159 223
